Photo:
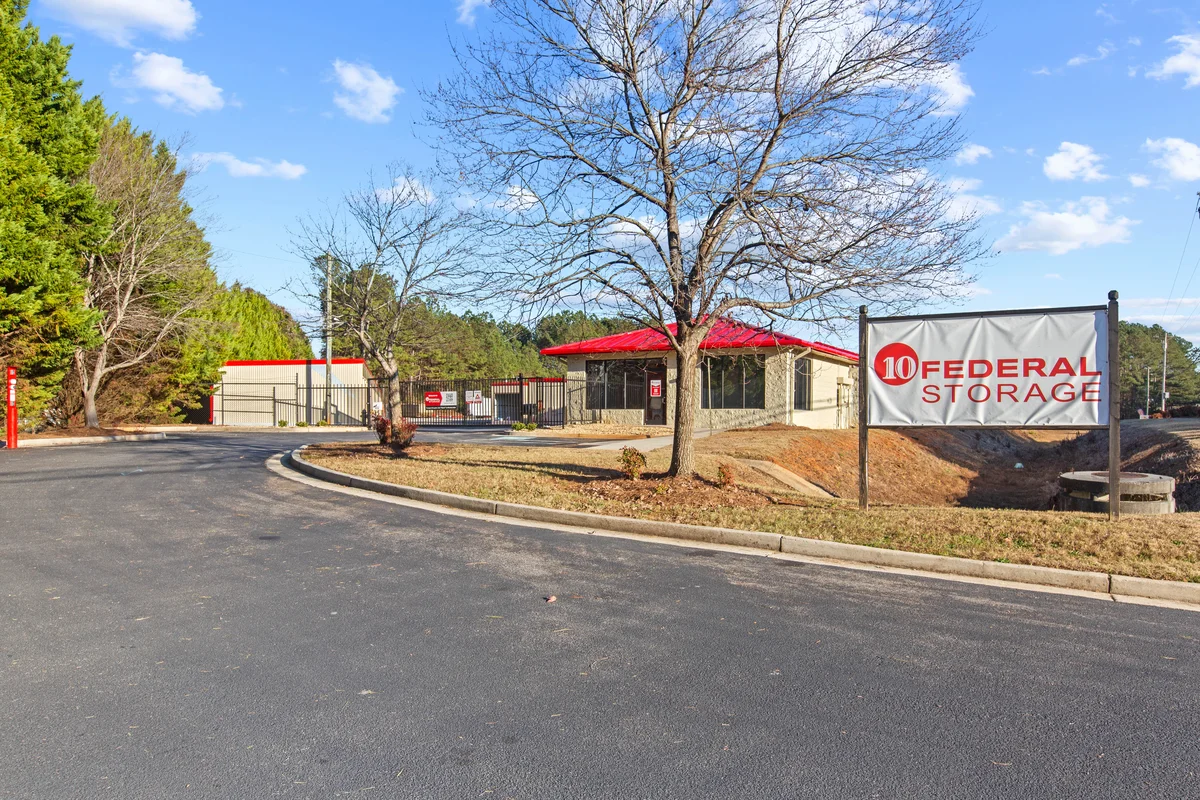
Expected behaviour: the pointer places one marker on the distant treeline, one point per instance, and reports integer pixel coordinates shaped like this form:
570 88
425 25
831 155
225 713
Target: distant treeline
442 344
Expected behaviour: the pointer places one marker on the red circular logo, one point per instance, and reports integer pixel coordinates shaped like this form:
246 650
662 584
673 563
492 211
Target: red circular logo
896 364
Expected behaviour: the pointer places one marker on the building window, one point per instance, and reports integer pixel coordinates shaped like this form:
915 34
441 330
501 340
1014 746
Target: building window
733 382
803 395
618 384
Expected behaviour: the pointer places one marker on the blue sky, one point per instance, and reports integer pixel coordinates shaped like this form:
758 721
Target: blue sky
1083 119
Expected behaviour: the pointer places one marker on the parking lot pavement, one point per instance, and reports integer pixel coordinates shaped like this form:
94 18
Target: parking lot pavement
179 622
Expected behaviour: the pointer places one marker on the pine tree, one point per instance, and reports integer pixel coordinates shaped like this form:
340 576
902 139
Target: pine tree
48 212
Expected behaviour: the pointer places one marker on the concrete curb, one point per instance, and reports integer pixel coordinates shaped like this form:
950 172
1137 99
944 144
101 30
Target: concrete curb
1104 583
68 441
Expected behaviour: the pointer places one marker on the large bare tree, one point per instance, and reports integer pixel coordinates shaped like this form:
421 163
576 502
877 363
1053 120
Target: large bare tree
151 274
392 248
683 160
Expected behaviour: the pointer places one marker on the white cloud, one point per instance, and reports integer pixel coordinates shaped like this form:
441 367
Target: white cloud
1134 41
965 204
1139 181
1052 276
175 86
971 154
467 9
1087 223
118 20
951 90
1074 161
1103 13
517 199
1186 62
1102 52
258 168
1042 71
407 188
1179 157
366 95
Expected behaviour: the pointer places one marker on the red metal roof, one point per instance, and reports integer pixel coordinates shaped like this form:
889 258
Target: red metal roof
726 334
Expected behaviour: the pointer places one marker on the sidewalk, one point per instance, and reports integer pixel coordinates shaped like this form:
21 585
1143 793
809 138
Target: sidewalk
646 445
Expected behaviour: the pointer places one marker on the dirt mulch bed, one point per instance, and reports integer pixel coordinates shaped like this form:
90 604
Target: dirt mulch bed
589 480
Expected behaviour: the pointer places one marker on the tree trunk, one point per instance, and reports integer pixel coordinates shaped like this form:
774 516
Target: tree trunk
392 387
683 448
91 418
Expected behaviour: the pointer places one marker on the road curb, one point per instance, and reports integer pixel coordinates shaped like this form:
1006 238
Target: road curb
68 441
1102 582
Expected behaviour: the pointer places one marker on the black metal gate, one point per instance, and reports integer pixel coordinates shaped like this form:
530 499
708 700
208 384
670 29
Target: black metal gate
480 401
547 402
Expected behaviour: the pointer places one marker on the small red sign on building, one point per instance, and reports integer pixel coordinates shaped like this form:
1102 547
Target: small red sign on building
433 399
656 388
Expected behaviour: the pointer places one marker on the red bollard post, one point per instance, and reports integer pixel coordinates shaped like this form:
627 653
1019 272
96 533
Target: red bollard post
11 415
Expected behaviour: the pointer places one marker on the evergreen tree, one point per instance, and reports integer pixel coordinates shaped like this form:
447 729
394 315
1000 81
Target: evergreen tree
48 212
1142 348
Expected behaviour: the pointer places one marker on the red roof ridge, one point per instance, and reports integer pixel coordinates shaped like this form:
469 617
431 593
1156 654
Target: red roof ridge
728 333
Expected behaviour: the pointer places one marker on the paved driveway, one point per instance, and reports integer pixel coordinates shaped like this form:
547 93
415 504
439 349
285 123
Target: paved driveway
179 622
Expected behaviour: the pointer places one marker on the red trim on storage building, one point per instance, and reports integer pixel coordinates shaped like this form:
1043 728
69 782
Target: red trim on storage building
293 362
726 334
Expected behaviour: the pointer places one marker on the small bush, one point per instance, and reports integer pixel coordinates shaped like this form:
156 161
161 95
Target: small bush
282 423
531 426
383 429
633 463
402 435
725 477
301 424
521 426
322 423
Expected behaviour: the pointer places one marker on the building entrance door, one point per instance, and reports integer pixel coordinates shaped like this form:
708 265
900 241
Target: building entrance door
656 396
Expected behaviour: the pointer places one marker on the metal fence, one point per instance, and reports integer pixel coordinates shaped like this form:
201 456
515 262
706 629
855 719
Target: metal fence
289 404
485 401
548 402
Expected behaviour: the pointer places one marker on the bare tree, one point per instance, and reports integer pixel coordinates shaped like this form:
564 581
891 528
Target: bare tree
681 160
392 246
151 273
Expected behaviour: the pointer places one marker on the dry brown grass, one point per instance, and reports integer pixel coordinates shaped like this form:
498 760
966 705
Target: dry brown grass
588 480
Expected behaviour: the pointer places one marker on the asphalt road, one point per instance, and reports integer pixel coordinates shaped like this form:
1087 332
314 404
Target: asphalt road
179 622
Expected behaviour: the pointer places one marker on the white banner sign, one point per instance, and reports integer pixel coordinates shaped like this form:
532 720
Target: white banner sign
1022 370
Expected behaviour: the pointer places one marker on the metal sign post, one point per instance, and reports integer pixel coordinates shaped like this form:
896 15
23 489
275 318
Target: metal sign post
863 370
1114 410
11 411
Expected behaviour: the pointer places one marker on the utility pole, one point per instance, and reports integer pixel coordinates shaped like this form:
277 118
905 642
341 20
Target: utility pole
1147 391
328 337
1164 381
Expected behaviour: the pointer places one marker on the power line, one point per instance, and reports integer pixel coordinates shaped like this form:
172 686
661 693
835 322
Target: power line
1194 308
1182 255
1179 307
273 258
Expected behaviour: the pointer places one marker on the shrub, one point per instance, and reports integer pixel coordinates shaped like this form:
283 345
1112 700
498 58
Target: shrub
531 426
301 424
521 426
402 435
725 477
383 429
282 423
322 423
633 462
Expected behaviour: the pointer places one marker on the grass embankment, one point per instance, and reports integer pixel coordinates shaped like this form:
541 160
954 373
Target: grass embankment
588 480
